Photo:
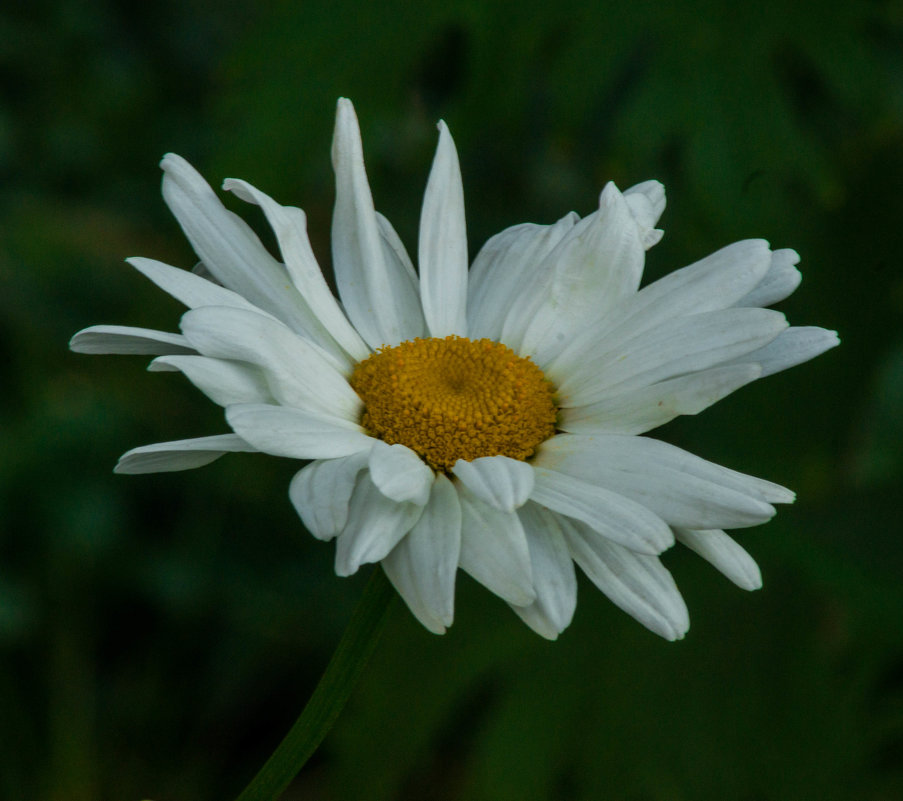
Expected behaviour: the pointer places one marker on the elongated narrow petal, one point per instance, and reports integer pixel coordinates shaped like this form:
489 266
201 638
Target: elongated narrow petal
394 250
282 431
685 345
188 287
500 481
443 244
375 526
290 226
778 283
792 347
380 297
224 382
494 550
506 266
182 454
400 474
676 485
423 565
298 373
618 518
322 491
554 580
126 340
725 554
594 268
226 245
637 583
641 410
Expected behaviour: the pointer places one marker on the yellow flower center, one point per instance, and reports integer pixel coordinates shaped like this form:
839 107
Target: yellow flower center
454 398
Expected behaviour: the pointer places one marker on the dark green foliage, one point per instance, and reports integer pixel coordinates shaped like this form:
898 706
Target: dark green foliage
159 634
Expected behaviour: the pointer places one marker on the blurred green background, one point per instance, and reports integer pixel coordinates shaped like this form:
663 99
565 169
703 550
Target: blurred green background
158 634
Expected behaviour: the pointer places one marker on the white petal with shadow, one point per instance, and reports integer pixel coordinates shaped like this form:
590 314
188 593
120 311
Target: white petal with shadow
380 296
127 340
443 244
677 346
638 583
507 279
679 487
641 410
794 346
500 481
424 564
618 518
778 283
283 431
494 550
725 554
298 373
182 454
554 580
591 271
327 319
224 382
374 527
227 246
399 473
321 493
646 201
714 283
188 287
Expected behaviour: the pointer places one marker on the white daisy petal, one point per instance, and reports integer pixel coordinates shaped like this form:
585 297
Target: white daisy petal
374 527
327 319
321 493
641 410
224 382
647 202
684 345
380 297
394 250
637 583
443 244
226 245
554 580
124 339
299 374
188 287
423 566
682 489
592 270
618 518
507 266
399 473
494 550
182 454
283 431
714 283
792 347
725 554
500 481
779 282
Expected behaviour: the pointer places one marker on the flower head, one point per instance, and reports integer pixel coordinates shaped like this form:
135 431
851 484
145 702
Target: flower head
487 418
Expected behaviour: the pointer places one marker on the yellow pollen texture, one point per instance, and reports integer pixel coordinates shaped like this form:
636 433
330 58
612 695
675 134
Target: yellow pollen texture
453 398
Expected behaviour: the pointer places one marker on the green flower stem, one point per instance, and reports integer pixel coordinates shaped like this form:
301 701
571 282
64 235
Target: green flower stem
357 644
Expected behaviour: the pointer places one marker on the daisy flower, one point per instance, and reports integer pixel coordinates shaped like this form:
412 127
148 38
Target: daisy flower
491 418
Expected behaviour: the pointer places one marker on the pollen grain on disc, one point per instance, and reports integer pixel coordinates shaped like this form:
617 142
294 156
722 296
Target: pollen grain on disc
454 398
